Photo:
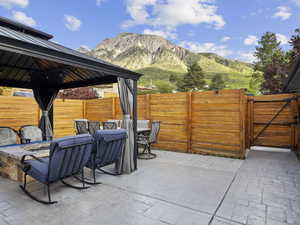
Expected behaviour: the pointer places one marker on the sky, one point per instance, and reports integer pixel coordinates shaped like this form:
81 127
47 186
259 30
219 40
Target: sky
230 28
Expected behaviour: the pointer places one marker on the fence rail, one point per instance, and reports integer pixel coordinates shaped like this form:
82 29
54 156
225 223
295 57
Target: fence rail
220 123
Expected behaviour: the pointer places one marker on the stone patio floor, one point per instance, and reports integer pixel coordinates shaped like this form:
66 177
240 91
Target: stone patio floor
176 189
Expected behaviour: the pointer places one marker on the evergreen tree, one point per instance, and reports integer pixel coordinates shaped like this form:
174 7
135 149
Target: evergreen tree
267 47
217 82
193 80
273 62
173 78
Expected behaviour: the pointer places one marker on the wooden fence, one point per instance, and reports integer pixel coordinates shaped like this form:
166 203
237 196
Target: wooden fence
273 120
221 123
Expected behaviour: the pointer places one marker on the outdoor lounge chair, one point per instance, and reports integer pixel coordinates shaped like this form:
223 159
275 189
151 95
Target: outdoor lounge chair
107 149
110 125
147 141
81 127
93 126
67 157
30 133
8 136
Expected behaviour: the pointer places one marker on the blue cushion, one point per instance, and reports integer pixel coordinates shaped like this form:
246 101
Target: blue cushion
107 148
67 157
110 135
38 170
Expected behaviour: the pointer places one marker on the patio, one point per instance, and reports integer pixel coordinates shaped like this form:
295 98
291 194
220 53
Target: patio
175 188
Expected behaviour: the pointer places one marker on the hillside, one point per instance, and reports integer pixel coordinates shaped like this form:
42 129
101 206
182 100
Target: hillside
157 58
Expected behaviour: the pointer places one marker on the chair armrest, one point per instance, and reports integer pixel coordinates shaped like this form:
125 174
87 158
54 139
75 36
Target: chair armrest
32 156
25 167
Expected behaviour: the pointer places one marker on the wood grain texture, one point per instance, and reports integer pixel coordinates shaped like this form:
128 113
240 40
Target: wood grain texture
282 131
64 114
221 123
18 111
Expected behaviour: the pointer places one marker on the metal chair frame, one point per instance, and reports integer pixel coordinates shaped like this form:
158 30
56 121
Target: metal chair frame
64 164
99 167
79 126
109 125
146 142
93 126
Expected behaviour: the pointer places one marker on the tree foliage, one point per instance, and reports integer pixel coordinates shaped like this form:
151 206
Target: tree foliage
163 86
295 43
273 62
255 83
78 93
217 82
268 45
173 78
193 80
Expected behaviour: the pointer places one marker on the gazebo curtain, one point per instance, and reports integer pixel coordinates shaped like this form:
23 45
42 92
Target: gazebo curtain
126 100
45 98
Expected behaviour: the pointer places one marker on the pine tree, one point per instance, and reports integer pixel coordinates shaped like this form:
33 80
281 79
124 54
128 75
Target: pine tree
193 80
267 47
217 82
273 62
173 78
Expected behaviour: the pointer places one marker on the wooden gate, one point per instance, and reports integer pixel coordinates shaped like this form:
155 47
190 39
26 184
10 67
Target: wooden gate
273 121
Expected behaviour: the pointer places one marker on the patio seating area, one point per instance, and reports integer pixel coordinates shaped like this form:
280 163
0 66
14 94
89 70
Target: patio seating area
175 188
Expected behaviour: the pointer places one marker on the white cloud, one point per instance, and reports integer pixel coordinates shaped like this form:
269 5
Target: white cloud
11 3
283 13
225 39
221 50
23 18
247 57
72 23
172 13
162 33
99 2
282 38
297 2
251 40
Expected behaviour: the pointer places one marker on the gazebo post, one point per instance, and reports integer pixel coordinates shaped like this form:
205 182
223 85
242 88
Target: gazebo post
135 122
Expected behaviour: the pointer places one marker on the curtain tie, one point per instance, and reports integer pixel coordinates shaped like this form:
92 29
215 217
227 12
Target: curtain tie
127 116
45 113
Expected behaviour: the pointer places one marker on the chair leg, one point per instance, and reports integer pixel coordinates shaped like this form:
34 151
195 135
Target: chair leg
150 152
23 187
82 177
85 180
73 186
147 154
107 172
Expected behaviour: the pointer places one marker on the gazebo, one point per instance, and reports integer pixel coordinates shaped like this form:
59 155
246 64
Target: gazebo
28 59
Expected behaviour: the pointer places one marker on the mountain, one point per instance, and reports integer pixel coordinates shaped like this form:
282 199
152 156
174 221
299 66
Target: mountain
158 58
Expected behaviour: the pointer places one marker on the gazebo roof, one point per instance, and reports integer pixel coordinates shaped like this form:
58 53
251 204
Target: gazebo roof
293 81
29 60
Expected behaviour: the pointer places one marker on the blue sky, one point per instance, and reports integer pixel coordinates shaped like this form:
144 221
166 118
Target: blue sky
230 28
